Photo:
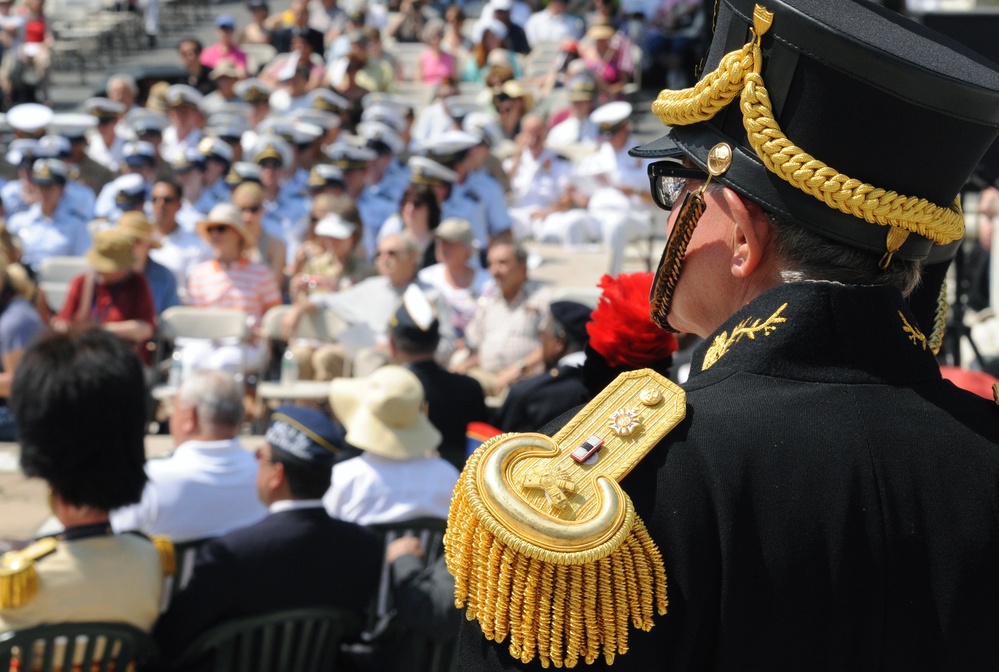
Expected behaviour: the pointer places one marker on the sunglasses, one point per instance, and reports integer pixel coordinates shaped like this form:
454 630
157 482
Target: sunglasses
415 204
220 228
387 253
667 180
163 199
252 209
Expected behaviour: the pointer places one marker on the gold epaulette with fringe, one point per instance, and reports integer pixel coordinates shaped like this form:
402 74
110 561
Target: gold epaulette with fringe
168 558
544 545
18 579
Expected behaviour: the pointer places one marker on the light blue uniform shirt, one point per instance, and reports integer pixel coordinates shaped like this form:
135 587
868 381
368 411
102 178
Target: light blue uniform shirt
63 234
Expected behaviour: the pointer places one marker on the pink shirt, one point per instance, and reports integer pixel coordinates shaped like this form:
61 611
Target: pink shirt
211 55
436 68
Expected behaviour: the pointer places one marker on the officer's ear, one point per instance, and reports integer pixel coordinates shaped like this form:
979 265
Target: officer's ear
752 236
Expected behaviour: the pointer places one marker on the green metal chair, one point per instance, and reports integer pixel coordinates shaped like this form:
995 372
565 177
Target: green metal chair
299 640
99 647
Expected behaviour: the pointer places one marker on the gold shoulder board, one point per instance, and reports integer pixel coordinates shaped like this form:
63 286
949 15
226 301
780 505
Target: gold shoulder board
545 546
167 557
18 579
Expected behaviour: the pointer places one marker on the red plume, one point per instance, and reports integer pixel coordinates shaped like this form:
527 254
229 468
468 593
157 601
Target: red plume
620 327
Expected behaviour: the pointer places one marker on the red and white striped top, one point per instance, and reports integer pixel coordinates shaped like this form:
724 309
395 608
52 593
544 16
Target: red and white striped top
242 285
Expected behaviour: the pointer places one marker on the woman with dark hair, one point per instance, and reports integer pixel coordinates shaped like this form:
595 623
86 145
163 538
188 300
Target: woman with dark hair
419 214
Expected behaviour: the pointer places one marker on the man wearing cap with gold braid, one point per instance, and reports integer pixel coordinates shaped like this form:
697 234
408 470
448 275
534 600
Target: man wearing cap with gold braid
816 496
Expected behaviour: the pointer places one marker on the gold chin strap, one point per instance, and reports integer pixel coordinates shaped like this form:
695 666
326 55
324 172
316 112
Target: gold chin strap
739 73
668 273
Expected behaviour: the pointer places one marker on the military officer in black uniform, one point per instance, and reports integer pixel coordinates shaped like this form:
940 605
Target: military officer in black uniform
817 496
533 402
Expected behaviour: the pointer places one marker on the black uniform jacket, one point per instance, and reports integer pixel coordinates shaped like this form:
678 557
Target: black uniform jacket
453 401
289 560
828 503
536 401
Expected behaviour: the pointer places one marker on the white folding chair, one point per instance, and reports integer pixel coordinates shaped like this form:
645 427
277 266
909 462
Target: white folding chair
203 323
61 269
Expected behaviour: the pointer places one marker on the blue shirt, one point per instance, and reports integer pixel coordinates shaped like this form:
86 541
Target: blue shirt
62 235
18 325
162 285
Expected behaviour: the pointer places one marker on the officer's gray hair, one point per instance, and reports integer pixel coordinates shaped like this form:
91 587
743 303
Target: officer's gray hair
127 80
805 255
216 397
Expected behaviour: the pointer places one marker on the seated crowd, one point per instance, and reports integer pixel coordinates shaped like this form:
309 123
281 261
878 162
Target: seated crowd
313 186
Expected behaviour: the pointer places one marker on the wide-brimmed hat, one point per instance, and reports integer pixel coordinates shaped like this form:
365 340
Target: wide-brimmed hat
111 251
383 413
226 214
135 224
514 89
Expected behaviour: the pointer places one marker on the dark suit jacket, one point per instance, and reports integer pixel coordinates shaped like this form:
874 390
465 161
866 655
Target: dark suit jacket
534 402
828 503
453 401
289 560
281 39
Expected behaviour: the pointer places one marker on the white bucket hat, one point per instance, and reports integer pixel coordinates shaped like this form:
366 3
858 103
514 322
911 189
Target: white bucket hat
383 413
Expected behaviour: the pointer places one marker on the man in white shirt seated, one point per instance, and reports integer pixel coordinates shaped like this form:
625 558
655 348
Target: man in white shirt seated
538 178
399 476
553 24
208 486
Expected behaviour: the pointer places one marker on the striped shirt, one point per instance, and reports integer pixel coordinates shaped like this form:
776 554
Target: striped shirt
241 285
503 332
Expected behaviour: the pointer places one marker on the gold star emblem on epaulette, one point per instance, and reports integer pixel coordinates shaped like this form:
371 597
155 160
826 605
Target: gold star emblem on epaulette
624 422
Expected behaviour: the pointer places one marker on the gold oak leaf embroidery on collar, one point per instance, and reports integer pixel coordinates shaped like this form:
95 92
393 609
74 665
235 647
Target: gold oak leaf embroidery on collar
915 335
724 341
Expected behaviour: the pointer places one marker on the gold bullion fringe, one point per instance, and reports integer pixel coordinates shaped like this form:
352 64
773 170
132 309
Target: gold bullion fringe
557 612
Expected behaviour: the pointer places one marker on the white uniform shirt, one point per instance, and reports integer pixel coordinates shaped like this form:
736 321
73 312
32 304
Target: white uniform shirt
572 131
543 26
181 251
539 181
206 488
370 489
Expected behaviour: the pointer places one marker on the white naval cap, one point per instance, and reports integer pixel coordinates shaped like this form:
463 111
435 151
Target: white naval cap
141 121
72 125
178 95
324 175
253 90
349 153
386 114
281 126
327 121
611 116
304 133
334 226
54 146
324 99
401 103
427 171
104 109
29 118
448 147
225 125
49 171
462 105
243 171
215 148
137 152
186 159
271 146
128 187
21 150
381 138
485 127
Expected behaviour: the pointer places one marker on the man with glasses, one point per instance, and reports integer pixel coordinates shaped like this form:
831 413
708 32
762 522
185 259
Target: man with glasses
180 249
824 499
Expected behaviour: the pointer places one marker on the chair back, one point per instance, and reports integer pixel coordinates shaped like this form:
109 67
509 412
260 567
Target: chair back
191 322
98 647
299 640
421 653
61 269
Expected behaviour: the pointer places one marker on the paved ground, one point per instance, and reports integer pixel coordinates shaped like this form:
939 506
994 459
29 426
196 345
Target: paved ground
23 505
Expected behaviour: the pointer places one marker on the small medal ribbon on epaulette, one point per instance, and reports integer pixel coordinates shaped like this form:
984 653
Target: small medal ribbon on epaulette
546 547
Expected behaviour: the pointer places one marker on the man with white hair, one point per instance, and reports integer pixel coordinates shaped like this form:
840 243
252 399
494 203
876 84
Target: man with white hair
208 486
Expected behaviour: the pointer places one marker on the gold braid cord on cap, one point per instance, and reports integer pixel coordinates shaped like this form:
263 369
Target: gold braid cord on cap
545 547
739 73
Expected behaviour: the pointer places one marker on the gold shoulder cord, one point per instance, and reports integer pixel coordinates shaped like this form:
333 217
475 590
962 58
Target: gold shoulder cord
738 73
544 545
18 578
167 557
